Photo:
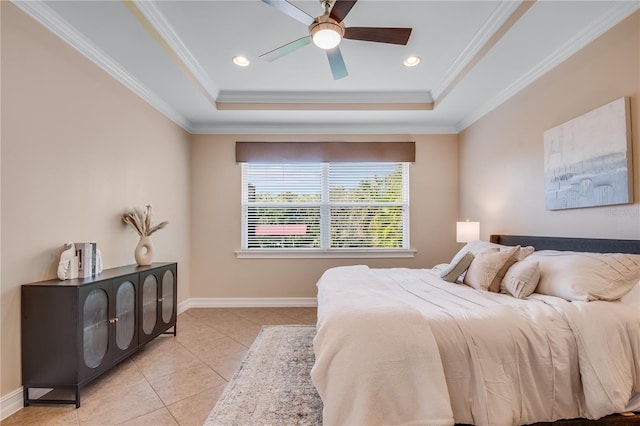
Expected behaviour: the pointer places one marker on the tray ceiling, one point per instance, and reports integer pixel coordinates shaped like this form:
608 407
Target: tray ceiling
177 55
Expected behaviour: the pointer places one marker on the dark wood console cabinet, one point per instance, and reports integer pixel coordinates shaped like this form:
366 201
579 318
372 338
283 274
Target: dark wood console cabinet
75 330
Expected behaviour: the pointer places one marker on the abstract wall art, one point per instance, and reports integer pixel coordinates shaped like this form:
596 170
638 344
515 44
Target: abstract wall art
587 160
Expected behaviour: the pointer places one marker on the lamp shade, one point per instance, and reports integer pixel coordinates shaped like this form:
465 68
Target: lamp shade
467 231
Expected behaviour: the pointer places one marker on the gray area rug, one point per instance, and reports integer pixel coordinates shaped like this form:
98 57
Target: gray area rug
272 385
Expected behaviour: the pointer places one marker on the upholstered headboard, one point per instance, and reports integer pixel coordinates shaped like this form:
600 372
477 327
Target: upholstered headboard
595 245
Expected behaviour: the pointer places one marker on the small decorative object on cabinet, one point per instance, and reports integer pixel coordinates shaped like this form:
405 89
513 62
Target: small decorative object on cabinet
75 330
68 266
141 222
144 251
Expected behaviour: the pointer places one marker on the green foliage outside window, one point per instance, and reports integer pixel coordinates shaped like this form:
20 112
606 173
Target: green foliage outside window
358 215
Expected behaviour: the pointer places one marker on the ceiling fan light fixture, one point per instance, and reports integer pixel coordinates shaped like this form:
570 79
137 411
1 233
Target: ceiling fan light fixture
326 39
411 61
326 33
241 61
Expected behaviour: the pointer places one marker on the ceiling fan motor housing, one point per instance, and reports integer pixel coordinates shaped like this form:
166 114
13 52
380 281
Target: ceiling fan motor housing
324 22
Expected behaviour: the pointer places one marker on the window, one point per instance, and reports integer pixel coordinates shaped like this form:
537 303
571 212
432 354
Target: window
313 206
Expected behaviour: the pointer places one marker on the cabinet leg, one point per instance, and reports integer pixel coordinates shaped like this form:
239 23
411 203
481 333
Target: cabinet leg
169 331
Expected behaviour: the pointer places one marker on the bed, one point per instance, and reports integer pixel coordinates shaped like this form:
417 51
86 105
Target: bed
404 346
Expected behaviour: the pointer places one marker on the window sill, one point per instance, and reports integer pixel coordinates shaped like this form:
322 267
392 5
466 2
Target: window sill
324 254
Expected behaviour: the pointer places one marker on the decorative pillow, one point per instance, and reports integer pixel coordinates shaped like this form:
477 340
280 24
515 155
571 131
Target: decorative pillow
586 276
521 279
477 246
525 251
485 266
513 258
454 270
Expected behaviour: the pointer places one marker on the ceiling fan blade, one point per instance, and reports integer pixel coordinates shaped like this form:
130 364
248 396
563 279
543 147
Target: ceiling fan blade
341 8
286 49
379 35
338 68
291 10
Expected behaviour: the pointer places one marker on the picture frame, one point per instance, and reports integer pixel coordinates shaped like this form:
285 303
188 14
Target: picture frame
588 160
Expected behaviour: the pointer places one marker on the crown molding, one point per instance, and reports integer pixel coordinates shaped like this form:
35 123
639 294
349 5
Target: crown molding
321 128
493 24
360 106
573 45
175 44
42 13
324 97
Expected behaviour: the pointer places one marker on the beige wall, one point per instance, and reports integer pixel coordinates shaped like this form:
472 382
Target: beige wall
502 155
215 209
78 149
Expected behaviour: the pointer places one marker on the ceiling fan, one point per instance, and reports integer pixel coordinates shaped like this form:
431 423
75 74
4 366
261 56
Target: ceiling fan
327 31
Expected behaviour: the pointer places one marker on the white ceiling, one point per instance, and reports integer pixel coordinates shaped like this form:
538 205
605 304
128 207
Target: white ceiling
475 54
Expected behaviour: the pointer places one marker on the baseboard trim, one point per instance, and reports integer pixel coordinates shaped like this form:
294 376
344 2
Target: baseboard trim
247 302
14 402
11 403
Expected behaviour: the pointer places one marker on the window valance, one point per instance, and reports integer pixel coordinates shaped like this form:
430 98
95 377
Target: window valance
295 152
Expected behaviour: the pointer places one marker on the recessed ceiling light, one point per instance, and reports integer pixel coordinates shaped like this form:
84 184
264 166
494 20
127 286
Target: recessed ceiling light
241 61
411 61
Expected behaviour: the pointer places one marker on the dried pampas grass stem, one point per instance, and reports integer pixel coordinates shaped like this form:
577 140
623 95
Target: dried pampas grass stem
140 221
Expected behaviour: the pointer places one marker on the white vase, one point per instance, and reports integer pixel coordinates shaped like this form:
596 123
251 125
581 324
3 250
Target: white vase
144 251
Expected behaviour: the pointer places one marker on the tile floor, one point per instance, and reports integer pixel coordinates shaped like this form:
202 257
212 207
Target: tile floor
172 380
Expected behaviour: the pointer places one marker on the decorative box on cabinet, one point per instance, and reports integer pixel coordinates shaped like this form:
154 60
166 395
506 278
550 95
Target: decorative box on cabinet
75 330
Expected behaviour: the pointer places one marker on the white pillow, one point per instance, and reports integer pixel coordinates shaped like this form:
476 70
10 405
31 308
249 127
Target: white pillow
586 276
477 246
473 247
521 279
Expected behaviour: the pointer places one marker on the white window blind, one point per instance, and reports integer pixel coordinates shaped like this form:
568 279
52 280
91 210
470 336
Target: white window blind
325 206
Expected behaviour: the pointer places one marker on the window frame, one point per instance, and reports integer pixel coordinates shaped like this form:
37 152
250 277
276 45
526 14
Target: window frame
325 234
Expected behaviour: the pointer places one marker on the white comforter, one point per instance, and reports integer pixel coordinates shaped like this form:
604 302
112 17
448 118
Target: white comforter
401 346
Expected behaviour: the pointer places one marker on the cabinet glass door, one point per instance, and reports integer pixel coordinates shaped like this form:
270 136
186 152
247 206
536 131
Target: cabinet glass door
167 296
96 327
149 304
126 314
